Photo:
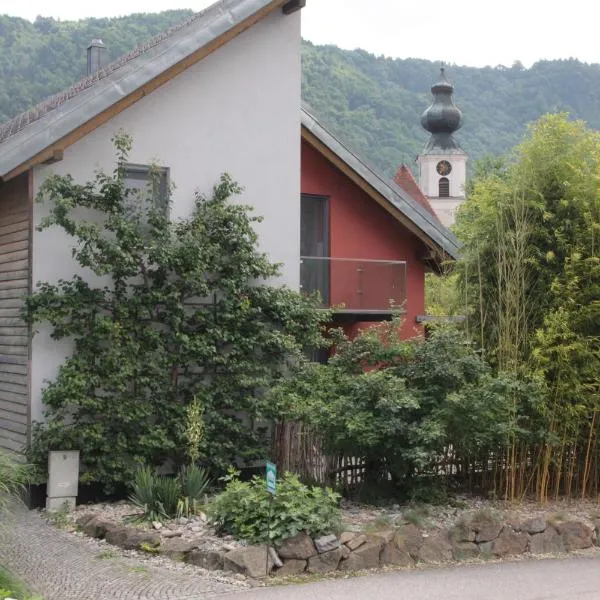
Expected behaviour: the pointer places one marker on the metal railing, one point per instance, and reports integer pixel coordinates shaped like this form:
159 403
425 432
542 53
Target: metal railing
355 285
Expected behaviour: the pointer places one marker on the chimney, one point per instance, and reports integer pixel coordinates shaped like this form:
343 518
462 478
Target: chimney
97 56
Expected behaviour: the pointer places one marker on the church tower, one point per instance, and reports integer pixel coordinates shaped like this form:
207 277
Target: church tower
443 164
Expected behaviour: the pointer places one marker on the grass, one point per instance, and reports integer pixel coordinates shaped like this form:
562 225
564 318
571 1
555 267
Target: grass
381 523
107 554
60 518
11 587
417 516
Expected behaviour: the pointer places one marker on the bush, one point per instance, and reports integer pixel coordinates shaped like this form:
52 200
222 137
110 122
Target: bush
163 497
245 510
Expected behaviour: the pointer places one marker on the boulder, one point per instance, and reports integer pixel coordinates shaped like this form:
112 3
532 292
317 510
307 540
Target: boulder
487 527
465 550
435 549
356 542
533 526
131 538
547 542
211 560
462 532
177 548
411 538
347 536
386 536
364 557
251 561
597 532
326 562
509 542
300 547
395 553
97 527
84 518
326 543
575 534
292 566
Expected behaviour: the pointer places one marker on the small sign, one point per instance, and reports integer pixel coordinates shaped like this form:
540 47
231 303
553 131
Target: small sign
271 478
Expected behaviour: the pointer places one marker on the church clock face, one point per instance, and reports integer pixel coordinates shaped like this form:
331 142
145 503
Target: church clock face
444 167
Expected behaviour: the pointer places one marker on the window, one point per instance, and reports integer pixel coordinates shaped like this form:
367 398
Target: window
314 245
444 187
146 183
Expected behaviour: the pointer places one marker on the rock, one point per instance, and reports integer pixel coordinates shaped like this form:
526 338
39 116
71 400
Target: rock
347 536
487 527
229 547
345 551
84 519
211 559
365 557
462 532
300 547
385 536
548 542
485 549
197 529
251 561
131 538
435 549
275 558
509 543
396 553
183 521
170 533
411 538
177 548
157 525
326 543
356 542
293 566
575 534
597 532
465 550
202 517
532 526
97 527
325 562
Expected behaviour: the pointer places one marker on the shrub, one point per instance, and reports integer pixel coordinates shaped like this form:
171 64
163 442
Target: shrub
245 510
163 497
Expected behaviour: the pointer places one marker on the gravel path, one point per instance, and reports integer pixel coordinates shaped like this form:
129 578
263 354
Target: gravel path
63 566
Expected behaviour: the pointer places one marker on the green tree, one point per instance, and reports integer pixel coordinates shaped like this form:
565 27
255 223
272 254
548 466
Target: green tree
187 313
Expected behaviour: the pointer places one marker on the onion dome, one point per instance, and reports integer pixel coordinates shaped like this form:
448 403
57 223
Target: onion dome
443 117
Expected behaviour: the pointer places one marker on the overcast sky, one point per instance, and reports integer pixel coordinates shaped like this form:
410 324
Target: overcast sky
466 32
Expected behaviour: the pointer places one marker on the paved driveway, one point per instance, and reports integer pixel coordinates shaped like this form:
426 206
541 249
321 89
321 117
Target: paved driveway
568 579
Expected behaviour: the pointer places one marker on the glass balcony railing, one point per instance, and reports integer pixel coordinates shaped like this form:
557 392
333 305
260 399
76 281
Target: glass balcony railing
355 285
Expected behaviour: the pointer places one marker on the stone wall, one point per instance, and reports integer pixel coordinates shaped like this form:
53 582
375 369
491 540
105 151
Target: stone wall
479 535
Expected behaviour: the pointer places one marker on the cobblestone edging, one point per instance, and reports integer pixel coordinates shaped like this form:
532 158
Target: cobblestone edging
63 566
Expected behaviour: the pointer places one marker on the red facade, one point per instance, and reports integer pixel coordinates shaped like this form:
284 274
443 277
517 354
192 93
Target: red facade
359 228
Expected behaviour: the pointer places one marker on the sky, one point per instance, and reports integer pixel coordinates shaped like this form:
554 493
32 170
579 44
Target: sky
463 32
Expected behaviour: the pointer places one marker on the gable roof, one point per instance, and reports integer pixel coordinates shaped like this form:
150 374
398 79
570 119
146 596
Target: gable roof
38 134
405 179
387 193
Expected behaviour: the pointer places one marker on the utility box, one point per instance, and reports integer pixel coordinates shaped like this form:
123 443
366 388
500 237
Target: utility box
63 479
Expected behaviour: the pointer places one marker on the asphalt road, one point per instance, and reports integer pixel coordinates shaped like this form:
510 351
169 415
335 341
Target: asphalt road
569 579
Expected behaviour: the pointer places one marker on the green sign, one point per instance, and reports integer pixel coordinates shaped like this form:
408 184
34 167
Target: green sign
271 478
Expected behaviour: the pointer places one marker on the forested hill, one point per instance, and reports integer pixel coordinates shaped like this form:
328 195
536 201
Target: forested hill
374 103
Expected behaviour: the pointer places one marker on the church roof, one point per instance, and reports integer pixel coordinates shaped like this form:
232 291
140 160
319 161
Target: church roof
405 179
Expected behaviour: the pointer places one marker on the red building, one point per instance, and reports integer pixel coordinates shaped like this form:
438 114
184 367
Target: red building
366 242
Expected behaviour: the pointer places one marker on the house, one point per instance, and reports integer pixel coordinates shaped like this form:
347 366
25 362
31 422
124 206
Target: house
366 241
220 92
217 93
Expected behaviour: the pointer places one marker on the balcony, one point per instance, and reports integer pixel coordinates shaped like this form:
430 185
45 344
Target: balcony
355 288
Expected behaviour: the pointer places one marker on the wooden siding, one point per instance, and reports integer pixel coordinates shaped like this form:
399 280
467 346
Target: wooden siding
15 232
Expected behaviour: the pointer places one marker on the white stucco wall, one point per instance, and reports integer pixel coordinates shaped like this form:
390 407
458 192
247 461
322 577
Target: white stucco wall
429 178
238 110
